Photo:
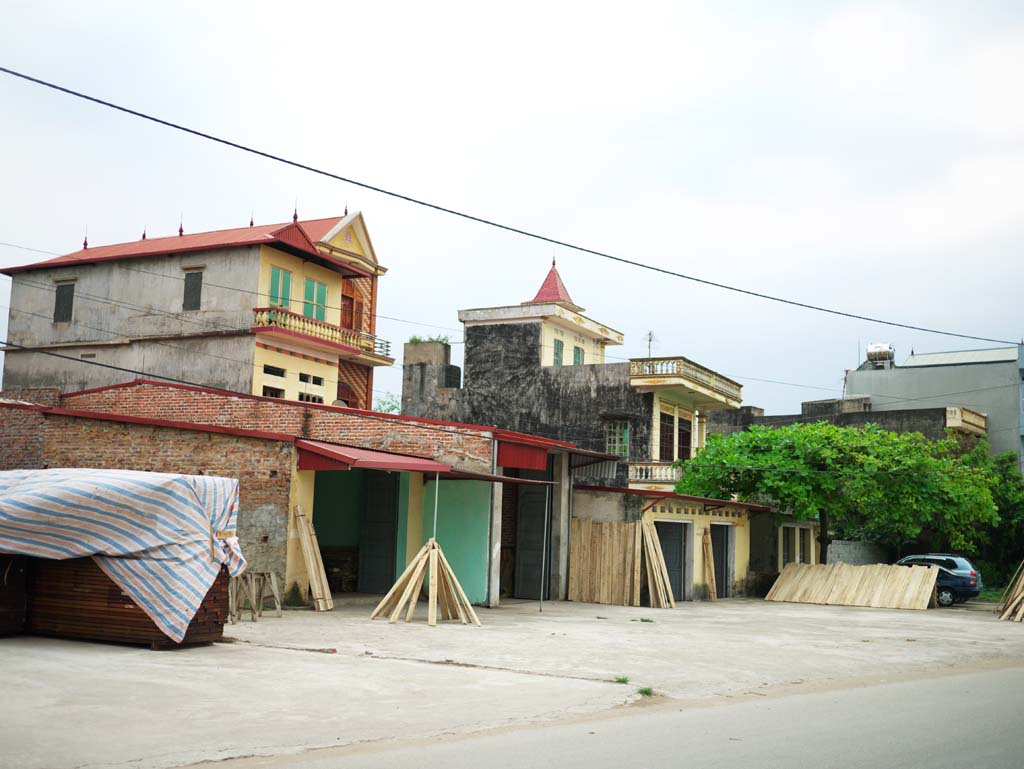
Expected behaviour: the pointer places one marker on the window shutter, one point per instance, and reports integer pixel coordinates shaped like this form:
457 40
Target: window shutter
357 315
193 290
275 287
286 288
321 300
559 348
307 308
63 303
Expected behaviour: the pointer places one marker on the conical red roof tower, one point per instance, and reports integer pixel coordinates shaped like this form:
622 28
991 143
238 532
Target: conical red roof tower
553 291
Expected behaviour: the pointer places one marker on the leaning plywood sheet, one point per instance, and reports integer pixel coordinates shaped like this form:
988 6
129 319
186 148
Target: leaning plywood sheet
839 584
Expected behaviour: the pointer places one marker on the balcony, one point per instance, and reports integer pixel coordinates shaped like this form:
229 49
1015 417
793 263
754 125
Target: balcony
654 472
685 381
324 335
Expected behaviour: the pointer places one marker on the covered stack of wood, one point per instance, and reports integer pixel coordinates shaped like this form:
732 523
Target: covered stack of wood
1011 604
75 599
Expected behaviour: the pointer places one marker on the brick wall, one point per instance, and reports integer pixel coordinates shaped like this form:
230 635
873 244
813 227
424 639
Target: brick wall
44 396
21 439
262 467
464 448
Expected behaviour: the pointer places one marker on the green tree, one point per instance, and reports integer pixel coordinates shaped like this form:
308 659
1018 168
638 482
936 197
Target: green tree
865 482
388 404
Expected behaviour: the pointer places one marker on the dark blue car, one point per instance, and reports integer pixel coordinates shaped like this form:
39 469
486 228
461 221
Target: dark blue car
958 580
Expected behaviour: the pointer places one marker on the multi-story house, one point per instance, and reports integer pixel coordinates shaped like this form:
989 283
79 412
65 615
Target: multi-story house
542 367
283 310
989 382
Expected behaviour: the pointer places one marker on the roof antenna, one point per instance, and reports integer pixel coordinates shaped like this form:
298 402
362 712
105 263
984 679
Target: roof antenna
181 225
650 341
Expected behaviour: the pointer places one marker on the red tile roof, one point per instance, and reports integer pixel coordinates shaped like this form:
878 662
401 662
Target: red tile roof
552 290
312 231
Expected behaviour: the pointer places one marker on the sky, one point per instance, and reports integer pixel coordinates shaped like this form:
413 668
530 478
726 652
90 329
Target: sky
863 156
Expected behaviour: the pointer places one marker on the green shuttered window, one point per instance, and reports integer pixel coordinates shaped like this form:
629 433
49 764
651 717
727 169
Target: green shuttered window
280 287
559 349
315 299
577 356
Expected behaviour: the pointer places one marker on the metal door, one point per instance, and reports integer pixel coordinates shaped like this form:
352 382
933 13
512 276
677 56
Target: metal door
673 545
377 531
530 520
720 551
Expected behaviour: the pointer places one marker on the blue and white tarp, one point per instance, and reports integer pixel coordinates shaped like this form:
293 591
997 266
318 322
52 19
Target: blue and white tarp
161 538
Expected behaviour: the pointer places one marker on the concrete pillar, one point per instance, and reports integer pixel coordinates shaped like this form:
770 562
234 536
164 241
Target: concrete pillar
494 549
560 528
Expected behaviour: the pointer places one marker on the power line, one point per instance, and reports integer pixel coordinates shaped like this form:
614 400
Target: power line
478 219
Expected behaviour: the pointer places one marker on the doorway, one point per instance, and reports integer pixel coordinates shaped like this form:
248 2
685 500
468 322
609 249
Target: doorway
532 517
722 551
675 540
378 531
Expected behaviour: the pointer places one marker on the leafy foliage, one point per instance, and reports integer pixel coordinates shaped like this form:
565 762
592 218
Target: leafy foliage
388 404
441 338
865 483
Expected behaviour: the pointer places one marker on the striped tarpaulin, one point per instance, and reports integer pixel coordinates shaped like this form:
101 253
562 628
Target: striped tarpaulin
161 538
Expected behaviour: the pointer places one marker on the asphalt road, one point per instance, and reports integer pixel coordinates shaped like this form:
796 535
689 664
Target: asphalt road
968 721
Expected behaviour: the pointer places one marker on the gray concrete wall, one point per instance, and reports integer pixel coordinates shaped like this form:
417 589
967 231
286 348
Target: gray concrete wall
506 386
224 362
857 553
930 422
117 303
598 506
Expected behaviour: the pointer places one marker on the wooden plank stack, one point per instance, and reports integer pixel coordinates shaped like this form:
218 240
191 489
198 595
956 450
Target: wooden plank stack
75 599
612 560
880 586
13 597
444 593
1011 604
319 590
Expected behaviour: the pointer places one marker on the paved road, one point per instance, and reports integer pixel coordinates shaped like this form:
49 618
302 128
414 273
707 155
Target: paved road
960 722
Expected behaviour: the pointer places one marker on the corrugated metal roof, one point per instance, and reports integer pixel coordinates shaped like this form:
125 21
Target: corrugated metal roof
961 357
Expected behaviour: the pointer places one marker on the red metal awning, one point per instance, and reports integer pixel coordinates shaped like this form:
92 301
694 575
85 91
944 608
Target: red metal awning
461 475
316 455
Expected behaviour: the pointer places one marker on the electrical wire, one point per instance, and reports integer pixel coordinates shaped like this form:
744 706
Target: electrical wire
479 219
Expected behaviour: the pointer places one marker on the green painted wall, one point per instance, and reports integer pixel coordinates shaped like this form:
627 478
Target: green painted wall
402 534
463 526
337 496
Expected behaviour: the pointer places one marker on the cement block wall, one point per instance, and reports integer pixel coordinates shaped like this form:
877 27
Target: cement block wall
857 553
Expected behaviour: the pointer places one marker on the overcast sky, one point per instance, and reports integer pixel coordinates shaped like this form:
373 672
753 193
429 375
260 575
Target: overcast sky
864 156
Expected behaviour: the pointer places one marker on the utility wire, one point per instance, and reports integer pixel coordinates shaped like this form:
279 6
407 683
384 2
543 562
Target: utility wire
479 219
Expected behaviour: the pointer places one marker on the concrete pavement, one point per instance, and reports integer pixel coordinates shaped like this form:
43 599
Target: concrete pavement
275 691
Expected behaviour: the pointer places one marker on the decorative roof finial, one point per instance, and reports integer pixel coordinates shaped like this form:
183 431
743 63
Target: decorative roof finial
181 229
346 209
295 215
250 217
143 233
85 243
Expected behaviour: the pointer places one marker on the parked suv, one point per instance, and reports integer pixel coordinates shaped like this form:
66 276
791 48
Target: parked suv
958 580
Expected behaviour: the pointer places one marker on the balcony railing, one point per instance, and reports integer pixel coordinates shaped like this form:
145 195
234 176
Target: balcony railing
653 472
300 324
683 367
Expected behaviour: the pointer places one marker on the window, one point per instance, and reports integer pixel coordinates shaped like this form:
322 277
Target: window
63 302
193 290
805 546
787 544
667 438
685 438
273 371
280 287
310 398
617 438
272 392
577 356
310 379
315 303
559 349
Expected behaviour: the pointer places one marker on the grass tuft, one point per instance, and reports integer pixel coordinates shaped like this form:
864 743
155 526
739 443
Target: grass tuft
645 691
621 679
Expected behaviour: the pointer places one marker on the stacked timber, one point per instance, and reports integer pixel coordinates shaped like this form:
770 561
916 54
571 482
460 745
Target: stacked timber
13 600
75 599
611 561
444 593
838 584
1011 604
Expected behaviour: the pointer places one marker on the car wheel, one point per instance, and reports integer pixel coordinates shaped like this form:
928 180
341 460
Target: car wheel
945 596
